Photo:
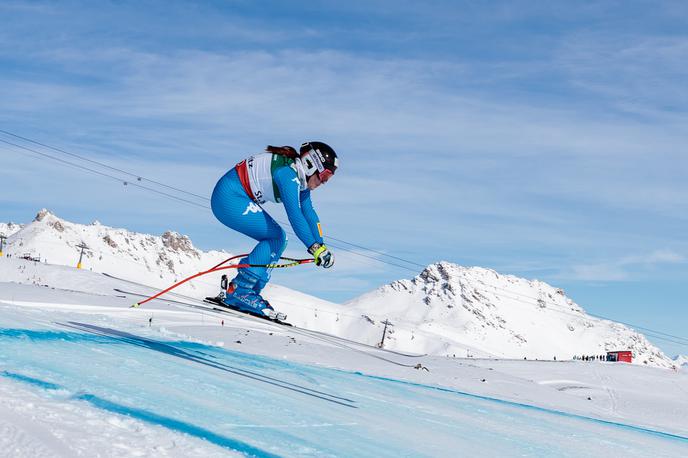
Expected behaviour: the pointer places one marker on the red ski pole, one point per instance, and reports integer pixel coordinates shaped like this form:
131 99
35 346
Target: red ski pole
217 268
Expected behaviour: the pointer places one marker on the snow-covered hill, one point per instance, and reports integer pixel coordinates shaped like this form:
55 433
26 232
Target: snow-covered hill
446 310
449 309
153 260
8 229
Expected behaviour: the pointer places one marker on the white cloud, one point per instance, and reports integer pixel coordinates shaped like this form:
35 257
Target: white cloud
655 257
627 268
596 273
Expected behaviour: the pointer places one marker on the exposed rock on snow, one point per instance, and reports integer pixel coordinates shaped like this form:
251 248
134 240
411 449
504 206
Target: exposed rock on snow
179 243
42 214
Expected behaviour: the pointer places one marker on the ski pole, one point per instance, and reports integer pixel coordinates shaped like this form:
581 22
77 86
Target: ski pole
217 268
138 304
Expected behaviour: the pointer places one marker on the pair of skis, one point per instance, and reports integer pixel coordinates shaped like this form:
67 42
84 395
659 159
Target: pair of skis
216 302
220 305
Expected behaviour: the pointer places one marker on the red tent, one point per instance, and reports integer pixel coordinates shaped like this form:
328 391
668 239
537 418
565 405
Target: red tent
625 356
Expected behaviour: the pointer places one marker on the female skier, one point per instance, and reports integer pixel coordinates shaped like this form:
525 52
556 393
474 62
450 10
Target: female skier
280 174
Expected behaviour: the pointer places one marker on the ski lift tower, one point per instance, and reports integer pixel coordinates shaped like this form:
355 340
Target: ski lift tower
83 247
2 243
384 332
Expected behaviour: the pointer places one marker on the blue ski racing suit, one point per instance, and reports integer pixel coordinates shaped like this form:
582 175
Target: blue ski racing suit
237 203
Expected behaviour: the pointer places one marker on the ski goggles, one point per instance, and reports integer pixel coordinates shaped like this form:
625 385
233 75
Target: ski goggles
325 175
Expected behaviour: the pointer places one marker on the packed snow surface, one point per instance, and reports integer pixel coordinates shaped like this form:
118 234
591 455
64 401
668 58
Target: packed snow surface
83 374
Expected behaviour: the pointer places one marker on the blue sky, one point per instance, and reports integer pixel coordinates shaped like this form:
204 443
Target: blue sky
539 139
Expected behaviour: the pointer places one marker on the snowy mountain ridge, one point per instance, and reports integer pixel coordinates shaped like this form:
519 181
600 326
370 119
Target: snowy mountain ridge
153 260
501 315
446 310
7 229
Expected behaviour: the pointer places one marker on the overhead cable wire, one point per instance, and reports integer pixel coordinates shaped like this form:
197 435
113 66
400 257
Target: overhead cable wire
104 174
165 194
206 199
139 177
590 314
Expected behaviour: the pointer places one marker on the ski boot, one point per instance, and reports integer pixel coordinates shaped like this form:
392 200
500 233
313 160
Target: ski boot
261 279
269 311
241 295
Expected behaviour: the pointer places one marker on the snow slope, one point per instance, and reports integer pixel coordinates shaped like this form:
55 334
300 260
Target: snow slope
82 374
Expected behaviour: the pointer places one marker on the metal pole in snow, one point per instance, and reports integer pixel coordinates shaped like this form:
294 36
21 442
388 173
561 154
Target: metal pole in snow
384 331
81 256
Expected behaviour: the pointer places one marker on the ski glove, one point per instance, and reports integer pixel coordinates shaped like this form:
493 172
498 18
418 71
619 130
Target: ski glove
323 256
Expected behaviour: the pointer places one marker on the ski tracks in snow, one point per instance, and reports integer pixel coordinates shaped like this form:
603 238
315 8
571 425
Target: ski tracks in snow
605 382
